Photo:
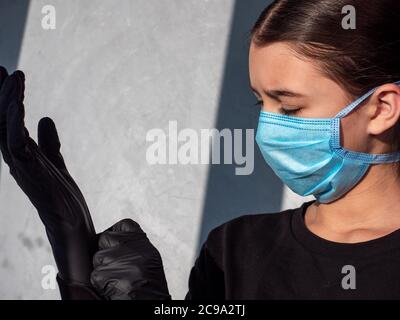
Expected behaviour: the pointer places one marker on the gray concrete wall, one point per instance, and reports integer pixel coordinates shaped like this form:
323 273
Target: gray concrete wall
110 72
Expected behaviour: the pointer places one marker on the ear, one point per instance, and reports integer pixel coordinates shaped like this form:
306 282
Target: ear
384 111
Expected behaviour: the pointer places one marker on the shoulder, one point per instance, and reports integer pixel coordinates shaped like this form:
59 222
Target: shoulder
233 248
253 225
250 232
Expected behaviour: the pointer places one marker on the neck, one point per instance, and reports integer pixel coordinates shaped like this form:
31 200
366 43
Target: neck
370 209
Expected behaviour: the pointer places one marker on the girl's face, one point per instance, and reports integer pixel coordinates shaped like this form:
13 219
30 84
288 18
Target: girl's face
286 84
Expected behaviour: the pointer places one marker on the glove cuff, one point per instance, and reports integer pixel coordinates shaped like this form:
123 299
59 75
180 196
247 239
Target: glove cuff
76 291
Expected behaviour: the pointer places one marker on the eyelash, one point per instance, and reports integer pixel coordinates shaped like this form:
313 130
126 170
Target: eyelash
284 111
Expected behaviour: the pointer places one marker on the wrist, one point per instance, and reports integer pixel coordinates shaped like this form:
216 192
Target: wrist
76 291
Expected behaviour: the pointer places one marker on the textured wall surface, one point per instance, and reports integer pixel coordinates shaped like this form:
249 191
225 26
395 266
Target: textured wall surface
110 72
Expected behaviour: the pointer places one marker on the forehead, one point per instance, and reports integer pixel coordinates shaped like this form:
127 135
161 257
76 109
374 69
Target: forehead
277 65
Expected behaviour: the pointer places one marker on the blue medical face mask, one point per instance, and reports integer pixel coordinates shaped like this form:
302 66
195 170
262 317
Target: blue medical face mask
307 156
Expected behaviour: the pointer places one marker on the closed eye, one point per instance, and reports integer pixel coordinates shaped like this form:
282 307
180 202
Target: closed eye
282 110
290 111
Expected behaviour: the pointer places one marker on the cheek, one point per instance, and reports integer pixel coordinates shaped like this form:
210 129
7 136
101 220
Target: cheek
353 132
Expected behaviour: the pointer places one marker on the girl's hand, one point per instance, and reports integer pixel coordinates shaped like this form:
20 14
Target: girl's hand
41 173
128 266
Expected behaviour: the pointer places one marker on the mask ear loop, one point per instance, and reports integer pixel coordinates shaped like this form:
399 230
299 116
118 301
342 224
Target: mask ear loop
360 156
357 102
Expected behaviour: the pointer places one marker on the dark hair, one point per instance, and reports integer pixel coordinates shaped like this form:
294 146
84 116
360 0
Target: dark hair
357 59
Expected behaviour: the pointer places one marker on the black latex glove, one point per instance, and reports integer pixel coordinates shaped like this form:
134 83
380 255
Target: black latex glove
127 266
41 173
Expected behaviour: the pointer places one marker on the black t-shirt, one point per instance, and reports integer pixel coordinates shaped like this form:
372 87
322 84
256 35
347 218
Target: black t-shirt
275 256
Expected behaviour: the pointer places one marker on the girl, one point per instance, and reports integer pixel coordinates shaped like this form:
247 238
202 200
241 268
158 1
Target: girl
328 127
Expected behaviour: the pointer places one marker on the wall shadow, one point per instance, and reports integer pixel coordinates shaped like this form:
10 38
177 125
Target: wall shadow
13 15
229 195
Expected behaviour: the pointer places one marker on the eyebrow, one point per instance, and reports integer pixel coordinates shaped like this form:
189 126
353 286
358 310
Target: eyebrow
275 94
